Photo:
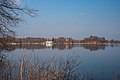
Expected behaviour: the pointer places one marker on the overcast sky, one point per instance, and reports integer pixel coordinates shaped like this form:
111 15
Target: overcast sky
72 18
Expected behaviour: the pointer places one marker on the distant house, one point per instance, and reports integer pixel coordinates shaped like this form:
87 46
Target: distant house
49 43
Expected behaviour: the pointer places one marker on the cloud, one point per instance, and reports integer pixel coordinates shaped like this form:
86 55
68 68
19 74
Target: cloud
82 14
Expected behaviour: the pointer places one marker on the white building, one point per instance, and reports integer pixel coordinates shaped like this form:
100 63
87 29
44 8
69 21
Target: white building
49 43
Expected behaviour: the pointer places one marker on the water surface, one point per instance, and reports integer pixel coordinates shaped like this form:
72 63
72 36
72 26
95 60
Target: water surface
102 61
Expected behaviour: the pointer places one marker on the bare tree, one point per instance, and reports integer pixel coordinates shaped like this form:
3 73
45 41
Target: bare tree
10 15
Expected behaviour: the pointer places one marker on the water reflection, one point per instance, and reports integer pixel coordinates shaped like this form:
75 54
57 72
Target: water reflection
9 69
90 47
7 48
94 47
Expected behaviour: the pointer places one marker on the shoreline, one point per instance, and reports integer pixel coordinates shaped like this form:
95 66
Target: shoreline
64 43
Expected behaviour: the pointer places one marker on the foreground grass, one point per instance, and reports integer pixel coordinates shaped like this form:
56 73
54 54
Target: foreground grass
53 69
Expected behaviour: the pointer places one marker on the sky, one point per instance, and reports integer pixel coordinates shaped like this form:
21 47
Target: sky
72 18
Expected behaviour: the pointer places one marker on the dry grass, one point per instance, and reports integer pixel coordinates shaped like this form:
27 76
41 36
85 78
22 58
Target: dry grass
53 69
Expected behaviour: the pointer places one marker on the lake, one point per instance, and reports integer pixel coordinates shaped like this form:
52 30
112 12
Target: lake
101 60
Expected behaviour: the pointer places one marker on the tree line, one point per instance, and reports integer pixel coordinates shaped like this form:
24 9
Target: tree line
59 40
